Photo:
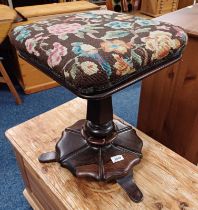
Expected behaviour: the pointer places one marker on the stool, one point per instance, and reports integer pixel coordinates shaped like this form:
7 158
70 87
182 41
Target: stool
95 54
7 17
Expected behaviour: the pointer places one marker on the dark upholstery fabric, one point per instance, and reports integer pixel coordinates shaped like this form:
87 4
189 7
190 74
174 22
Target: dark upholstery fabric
97 50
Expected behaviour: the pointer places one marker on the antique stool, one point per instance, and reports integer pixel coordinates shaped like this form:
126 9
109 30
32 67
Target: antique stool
95 54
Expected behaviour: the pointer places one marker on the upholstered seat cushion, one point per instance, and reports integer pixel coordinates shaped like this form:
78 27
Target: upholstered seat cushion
95 51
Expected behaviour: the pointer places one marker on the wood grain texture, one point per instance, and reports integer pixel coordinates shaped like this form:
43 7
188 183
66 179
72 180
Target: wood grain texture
7 16
169 99
56 8
7 13
4 29
31 79
184 3
6 79
32 200
167 180
158 7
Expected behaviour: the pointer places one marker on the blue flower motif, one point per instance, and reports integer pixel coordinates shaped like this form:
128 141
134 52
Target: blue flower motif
81 49
18 29
77 48
115 34
23 33
118 24
86 50
144 22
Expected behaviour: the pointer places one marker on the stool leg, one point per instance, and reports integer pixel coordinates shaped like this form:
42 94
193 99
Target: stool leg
9 83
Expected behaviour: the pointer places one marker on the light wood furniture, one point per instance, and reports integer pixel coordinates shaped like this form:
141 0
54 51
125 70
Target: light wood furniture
169 99
6 79
32 80
28 76
6 18
158 7
167 180
55 9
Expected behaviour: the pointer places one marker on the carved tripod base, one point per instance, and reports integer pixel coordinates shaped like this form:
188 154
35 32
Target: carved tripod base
113 160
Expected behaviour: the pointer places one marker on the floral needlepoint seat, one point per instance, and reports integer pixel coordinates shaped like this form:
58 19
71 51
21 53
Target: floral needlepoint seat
95 54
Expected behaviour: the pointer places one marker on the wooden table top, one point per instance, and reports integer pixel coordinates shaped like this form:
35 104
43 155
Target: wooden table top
7 16
167 180
56 8
6 13
187 18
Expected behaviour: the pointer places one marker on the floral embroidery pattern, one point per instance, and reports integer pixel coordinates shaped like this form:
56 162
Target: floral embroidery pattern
89 67
64 28
89 15
30 46
122 66
118 24
22 33
98 49
56 54
84 50
115 46
144 22
32 43
160 43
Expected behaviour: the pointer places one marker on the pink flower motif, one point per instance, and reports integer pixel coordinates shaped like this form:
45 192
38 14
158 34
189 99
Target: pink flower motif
64 28
31 44
55 54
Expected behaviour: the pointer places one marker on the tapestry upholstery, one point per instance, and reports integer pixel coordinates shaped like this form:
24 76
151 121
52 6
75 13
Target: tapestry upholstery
97 50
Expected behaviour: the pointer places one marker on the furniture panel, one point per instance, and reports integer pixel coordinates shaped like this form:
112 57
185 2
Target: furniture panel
33 80
158 7
184 3
169 99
